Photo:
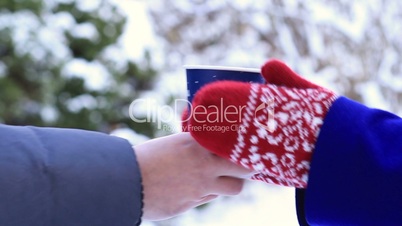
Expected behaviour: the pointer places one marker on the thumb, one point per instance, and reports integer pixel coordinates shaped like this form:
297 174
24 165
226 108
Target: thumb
278 73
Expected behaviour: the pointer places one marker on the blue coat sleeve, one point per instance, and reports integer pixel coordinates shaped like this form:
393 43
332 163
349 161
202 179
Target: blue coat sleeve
52 176
356 169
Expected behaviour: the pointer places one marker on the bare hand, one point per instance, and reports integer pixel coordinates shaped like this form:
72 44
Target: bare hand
179 174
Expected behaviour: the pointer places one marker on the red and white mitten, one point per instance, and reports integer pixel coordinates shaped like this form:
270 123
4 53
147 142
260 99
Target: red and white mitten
269 128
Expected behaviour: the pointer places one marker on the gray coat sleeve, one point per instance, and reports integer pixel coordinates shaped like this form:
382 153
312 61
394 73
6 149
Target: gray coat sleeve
51 176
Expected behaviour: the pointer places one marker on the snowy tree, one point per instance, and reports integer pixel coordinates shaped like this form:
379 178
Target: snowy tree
352 47
61 64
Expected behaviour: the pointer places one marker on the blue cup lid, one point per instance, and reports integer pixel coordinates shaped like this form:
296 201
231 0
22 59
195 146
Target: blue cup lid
200 75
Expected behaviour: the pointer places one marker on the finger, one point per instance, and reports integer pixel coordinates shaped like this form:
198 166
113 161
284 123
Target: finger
225 185
207 199
221 166
228 168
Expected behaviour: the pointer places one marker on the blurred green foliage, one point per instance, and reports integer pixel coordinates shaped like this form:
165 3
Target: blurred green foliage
36 50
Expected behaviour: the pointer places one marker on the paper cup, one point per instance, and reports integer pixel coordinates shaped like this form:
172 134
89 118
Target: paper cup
200 75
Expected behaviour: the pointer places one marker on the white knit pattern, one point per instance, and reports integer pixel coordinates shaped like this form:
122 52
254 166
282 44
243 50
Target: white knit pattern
296 116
